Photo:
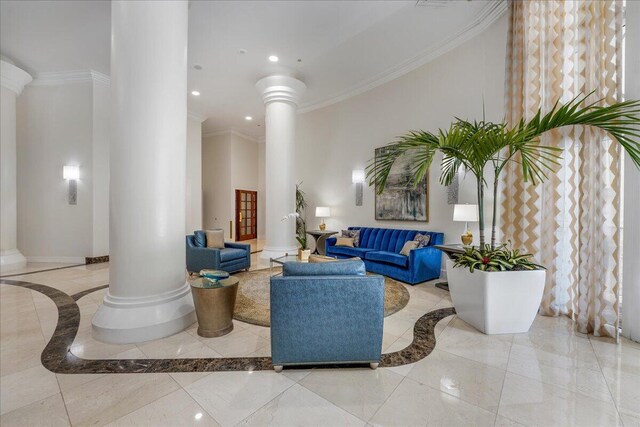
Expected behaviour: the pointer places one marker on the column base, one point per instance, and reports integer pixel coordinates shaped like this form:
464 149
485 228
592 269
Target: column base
276 252
11 259
133 320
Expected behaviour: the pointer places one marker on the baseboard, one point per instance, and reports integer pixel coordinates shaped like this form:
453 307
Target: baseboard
96 259
70 260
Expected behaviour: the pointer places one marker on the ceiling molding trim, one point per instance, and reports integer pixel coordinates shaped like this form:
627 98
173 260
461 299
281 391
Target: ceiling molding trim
54 78
12 77
230 132
195 116
489 14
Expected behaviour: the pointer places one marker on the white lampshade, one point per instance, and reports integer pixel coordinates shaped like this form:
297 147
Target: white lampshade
71 172
465 213
323 212
357 176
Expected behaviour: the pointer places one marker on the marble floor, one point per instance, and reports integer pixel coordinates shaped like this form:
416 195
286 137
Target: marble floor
549 376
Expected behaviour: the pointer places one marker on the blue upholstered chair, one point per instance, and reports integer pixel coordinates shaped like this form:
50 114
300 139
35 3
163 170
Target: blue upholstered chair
234 257
379 248
326 313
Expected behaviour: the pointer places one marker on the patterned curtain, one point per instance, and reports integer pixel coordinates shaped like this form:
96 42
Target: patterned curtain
571 223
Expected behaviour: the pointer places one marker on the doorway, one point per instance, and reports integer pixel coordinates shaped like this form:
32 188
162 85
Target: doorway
246 215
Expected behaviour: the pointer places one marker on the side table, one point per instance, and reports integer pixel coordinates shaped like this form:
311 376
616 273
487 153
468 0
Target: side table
451 251
214 304
320 236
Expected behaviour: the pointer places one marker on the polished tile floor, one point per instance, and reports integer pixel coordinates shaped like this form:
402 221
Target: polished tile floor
549 376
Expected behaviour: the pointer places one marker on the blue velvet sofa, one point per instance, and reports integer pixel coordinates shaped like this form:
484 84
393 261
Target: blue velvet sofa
234 257
379 248
326 313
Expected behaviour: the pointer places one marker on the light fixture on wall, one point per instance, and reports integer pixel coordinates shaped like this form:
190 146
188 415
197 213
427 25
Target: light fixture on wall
357 177
322 212
72 174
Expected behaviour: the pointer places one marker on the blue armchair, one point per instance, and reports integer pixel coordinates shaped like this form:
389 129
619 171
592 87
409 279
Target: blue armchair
234 257
326 313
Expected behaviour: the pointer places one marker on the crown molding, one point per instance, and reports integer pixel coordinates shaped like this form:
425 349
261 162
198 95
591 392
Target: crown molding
12 77
54 78
489 14
230 132
195 116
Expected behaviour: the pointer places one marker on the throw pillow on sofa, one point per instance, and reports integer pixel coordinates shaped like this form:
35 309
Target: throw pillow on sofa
215 239
408 246
345 241
200 238
354 234
422 239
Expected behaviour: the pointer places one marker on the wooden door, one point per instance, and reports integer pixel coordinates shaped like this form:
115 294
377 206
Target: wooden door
246 215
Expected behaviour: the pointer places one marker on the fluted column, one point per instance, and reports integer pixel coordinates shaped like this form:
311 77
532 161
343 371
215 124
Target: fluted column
280 95
148 295
13 81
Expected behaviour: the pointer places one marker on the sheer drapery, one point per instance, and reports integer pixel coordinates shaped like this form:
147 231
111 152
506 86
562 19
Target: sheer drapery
571 223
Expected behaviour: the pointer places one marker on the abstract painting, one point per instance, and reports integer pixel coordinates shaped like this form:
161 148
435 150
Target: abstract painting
401 200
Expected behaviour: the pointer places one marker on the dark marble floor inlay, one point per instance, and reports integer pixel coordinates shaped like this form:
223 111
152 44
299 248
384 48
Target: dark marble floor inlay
57 356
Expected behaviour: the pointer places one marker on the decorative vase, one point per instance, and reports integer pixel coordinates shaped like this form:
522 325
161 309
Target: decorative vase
303 254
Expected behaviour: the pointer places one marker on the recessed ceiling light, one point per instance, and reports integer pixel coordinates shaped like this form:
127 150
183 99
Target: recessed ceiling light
273 58
242 51
197 67
195 93
248 118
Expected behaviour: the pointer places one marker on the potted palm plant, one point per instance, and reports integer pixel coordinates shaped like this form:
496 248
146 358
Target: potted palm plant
301 225
495 288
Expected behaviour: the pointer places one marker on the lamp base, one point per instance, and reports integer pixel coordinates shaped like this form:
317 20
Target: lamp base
322 226
467 239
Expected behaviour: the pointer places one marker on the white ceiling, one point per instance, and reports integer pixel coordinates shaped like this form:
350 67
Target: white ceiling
345 47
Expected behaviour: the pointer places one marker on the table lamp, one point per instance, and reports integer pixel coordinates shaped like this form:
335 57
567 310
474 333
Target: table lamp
322 212
466 214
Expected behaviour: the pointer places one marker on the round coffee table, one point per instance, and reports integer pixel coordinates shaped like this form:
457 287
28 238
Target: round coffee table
214 302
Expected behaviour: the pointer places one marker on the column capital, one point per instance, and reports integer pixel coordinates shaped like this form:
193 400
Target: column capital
280 88
13 78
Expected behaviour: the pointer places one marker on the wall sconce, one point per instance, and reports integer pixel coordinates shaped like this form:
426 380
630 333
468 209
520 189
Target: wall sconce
72 174
357 177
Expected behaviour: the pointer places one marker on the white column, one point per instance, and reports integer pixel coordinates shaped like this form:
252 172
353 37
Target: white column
148 295
280 95
13 81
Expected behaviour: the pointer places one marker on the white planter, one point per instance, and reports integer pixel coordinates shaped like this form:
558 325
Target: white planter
502 302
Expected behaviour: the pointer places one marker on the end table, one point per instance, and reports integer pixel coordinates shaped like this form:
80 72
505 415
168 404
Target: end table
320 236
451 251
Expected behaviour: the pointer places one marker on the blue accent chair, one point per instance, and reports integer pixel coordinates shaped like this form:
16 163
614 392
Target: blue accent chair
379 248
234 257
326 313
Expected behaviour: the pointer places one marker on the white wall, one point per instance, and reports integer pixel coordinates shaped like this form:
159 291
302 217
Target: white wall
230 162
54 128
333 141
194 175
216 182
101 132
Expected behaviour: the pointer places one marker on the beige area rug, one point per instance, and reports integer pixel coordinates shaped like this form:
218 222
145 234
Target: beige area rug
252 302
